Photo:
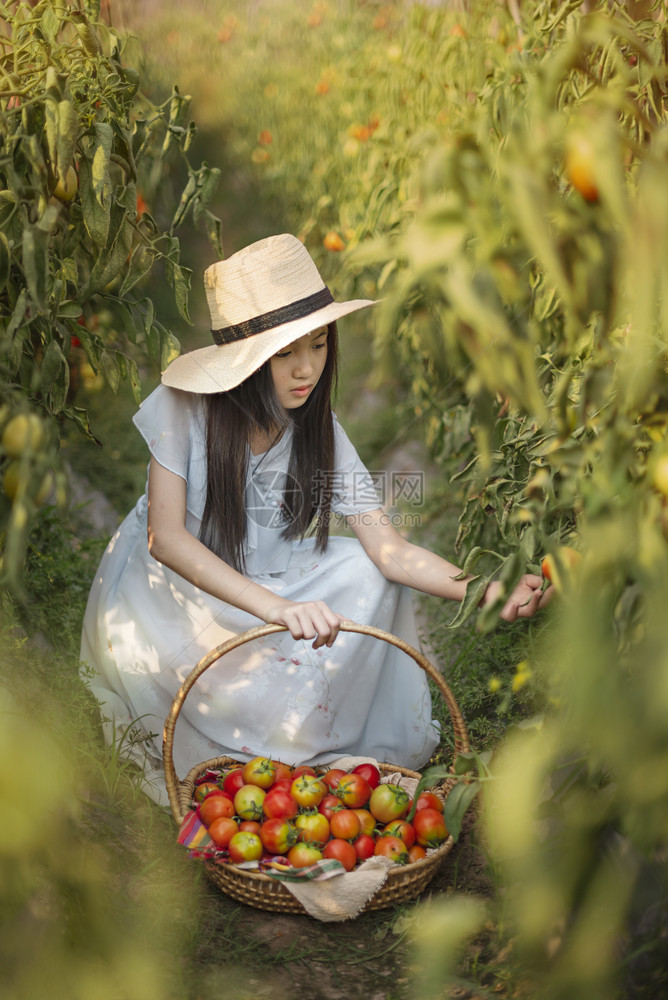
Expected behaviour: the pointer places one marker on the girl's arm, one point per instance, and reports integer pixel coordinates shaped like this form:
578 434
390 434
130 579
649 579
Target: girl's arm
171 544
402 562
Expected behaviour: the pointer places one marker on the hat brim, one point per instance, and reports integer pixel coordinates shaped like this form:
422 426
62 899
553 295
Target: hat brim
220 368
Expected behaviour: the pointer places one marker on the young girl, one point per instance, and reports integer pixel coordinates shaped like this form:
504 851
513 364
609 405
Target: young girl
247 460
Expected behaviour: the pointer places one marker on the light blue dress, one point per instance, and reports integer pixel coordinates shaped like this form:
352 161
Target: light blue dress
146 627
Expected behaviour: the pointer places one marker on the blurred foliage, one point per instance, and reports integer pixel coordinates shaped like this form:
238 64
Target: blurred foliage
82 157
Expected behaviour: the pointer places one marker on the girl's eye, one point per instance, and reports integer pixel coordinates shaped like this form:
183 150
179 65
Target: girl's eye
320 346
283 354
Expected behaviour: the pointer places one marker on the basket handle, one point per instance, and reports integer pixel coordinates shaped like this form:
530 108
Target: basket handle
171 779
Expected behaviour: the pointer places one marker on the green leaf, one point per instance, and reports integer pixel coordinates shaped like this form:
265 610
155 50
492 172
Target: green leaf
101 161
95 215
5 262
36 264
54 376
474 594
140 264
51 129
111 370
456 805
67 138
111 261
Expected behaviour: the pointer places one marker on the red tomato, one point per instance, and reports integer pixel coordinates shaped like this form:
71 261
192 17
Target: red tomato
279 802
389 802
430 828
393 848
259 771
332 777
302 769
367 821
370 772
353 790
428 800
278 835
215 806
308 790
342 851
244 847
248 802
416 853
401 829
364 846
313 828
206 787
283 771
250 826
222 830
285 784
303 855
345 825
233 781
329 805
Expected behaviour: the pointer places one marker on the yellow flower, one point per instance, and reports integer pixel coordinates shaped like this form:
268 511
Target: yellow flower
495 684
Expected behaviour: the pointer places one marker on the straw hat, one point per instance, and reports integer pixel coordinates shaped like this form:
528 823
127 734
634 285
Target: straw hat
260 299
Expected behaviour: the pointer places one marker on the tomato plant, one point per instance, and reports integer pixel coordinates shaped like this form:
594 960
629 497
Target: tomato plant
80 137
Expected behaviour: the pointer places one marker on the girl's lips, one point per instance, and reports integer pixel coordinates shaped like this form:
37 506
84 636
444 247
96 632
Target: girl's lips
301 390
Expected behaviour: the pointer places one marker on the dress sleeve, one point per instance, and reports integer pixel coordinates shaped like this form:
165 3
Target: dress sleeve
166 420
353 488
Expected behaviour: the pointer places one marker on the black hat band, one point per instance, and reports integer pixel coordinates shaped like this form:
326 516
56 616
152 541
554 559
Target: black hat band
277 317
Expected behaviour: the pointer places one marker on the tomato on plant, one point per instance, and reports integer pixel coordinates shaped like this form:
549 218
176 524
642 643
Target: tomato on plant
244 846
303 855
248 802
430 828
308 790
370 772
222 830
392 848
278 835
345 825
215 806
313 828
389 802
259 771
353 790
343 851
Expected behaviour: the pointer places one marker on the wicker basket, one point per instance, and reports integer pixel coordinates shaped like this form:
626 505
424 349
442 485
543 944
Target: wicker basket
256 888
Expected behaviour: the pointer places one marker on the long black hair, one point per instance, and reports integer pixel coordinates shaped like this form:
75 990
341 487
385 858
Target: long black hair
231 419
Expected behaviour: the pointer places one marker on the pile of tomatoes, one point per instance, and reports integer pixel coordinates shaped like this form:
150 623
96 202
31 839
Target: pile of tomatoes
266 809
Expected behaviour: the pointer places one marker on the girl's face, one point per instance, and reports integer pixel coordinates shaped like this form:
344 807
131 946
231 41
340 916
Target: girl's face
297 368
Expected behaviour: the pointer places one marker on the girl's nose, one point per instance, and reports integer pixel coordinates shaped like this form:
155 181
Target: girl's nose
302 366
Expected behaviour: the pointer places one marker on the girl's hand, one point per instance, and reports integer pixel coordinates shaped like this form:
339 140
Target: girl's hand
527 597
307 619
